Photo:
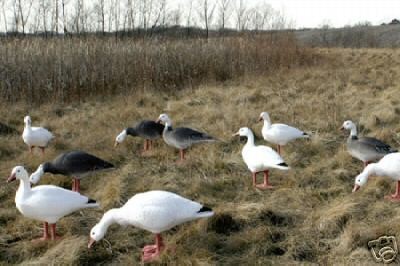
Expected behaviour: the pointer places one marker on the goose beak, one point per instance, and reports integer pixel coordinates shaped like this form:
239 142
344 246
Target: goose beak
356 187
11 178
260 119
116 144
236 134
158 121
91 242
341 128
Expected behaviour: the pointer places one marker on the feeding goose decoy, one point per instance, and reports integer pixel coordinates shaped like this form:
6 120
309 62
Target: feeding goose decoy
388 166
46 203
154 211
365 149
35 136
77 164
259 158
279 134
182 137
147 129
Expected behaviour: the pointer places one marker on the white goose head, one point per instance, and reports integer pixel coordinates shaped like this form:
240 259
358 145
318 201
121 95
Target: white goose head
27 120
35 176
165 119
362 178
96 234
264 116
348 125
120 138
18 172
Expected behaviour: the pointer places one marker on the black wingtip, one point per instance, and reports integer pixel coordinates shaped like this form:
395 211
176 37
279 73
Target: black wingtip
204 209
283 164
305 134
91 201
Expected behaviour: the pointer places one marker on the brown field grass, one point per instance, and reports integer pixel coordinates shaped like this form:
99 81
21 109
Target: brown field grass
311 217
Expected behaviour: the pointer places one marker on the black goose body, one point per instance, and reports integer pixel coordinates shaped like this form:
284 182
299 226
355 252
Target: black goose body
76 163
146 129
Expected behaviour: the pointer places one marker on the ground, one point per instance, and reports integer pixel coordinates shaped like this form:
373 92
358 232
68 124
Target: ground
310 217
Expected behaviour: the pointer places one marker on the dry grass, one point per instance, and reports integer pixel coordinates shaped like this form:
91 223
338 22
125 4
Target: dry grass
311 217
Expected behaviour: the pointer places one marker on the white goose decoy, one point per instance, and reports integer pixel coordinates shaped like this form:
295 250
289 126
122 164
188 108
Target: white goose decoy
279 134
154 211
35 136
46 203
259 158
365 149
388 166
182 137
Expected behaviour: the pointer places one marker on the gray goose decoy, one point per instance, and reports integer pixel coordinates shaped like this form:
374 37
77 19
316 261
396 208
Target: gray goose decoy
147 129
77 164
365 149
182 137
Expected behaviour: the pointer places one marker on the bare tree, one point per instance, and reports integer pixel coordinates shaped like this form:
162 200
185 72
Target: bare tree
100 11
3 8
240 12
24 10
206 12
224 12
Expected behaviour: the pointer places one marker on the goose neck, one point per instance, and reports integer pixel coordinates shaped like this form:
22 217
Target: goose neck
250 139
24 187
353 131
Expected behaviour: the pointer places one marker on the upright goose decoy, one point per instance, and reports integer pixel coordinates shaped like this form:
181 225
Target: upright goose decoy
154 211
279 134
46 203
77 164
365 149
388 166
35 136
259 158
182 137
147 129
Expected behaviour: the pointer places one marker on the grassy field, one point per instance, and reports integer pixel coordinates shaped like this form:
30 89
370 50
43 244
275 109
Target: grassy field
310 217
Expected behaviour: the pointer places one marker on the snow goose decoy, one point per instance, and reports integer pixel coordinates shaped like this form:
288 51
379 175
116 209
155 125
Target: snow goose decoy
35 136
77 164
46 203
259 158
154 211
279 134
147 129
365 149
182 137
388 166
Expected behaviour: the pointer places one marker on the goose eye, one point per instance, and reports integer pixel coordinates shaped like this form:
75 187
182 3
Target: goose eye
18 171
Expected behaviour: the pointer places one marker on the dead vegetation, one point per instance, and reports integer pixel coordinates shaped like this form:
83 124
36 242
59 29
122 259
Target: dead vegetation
311 217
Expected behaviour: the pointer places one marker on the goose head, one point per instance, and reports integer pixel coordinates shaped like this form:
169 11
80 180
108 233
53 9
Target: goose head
360 180
120 138
18 172
348 125
35 176
164 118
96 234
243 132
264 116
27 120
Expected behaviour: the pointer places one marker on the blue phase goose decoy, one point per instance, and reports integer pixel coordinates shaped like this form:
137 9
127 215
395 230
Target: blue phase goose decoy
182 137
279 134
365 149
259 158
76 164
154 211
46 203
388 166
35 136
147 129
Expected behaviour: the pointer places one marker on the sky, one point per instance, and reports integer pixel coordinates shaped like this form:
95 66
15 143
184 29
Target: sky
338 13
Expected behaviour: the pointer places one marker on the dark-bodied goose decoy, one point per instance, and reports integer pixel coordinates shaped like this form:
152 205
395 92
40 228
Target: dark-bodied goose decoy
365 149
35 136
46 203
154 211
388 166
259 158
77 164
279 134
146 129
182 137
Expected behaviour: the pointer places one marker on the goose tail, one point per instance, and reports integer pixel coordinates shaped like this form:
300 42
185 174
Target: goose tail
91 203
282 166
204 212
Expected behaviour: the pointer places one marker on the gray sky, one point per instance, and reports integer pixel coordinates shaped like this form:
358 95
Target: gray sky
312 13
